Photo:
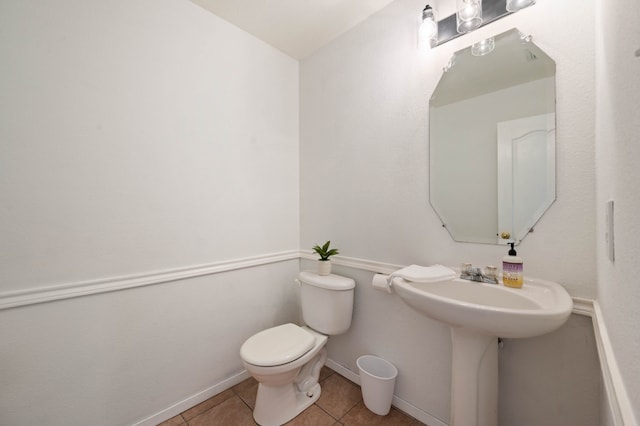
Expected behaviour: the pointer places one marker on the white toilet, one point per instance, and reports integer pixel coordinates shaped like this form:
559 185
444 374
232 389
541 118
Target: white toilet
286 359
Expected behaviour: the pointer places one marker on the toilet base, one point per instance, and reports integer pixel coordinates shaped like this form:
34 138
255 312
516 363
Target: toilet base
277 405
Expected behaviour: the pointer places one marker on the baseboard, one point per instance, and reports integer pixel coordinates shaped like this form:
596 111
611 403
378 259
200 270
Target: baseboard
397 402
193 400
616 393
202 396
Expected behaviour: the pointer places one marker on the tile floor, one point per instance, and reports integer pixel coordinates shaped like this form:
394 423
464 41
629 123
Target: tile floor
340 404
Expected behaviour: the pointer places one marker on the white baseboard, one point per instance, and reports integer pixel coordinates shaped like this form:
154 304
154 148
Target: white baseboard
400 404
616 395
193 400
202 396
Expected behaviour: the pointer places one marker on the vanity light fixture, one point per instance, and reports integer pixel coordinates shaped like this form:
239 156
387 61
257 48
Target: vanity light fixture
428 32
470 14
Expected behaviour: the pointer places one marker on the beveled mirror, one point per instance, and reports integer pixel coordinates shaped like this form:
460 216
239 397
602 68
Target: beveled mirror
492 140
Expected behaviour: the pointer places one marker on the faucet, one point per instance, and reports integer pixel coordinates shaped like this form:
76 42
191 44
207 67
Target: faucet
473 273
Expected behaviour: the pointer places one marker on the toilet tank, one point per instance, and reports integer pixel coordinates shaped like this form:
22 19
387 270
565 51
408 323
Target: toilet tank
327 302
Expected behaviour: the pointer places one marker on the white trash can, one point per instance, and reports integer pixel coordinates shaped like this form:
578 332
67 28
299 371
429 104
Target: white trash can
377 380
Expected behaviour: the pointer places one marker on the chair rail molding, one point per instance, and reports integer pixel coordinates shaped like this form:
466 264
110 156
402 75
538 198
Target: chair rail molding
16 298
13 299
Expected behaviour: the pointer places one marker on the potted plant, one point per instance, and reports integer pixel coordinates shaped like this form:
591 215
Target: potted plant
324 263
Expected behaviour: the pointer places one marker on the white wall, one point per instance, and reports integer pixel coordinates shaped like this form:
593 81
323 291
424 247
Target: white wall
385 326
135 137
143 136
618 150
121 357
139 136
364 145
364 185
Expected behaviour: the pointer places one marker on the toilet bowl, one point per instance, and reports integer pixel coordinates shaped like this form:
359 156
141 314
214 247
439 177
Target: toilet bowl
286 360
285 389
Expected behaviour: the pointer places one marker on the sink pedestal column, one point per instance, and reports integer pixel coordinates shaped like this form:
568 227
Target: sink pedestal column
474 378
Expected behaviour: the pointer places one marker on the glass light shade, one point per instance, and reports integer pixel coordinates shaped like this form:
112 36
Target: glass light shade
468 15
483 47
516 5
428 32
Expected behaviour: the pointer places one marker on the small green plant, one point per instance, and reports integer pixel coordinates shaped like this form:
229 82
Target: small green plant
325 252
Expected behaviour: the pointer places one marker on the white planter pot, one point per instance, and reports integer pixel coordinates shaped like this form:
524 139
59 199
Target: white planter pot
324 267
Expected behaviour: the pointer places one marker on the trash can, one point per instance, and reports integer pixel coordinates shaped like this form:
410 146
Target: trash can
377 380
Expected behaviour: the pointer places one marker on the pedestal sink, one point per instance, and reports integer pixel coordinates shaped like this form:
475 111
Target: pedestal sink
478 314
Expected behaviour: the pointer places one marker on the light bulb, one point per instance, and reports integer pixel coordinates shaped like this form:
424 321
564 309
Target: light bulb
468 15
516 5
428 32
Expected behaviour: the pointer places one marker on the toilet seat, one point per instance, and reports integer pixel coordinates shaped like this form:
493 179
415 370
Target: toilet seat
277 345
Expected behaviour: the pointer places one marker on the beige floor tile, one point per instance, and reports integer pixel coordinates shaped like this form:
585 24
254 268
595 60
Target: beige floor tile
230 412
312 416
247 391
173 421
206 405
324 373
361 416
339 405
338 396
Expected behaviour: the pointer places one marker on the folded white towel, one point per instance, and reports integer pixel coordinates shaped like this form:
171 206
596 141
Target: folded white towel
424 274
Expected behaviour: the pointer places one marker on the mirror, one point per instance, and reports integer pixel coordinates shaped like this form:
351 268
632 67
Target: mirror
492 140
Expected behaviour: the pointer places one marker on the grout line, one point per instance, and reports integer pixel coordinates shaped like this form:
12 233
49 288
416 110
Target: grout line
243 401
326 412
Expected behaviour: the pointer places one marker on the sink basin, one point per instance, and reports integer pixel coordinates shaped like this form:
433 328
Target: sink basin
478 313
537 308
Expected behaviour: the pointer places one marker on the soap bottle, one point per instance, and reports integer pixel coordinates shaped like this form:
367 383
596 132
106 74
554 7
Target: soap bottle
512 269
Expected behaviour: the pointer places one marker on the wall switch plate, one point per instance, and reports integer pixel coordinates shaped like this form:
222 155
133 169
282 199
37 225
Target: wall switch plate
608 236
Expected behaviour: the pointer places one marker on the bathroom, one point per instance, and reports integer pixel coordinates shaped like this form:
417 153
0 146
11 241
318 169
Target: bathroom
164 175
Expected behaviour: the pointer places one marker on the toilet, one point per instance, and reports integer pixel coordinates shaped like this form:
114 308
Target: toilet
286 359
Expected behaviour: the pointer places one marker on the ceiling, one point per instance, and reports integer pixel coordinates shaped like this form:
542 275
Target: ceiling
296 27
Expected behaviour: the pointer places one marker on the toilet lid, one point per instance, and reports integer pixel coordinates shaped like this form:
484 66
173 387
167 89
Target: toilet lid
276 346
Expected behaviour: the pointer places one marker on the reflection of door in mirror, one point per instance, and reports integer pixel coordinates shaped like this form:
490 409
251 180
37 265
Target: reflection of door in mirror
526 173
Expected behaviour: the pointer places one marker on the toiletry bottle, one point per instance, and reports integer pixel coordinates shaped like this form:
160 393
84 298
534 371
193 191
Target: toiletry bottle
512 269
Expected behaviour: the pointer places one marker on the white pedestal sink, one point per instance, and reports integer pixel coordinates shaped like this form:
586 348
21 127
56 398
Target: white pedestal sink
478 314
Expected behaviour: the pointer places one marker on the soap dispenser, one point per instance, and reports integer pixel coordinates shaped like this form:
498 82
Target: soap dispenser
512 269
